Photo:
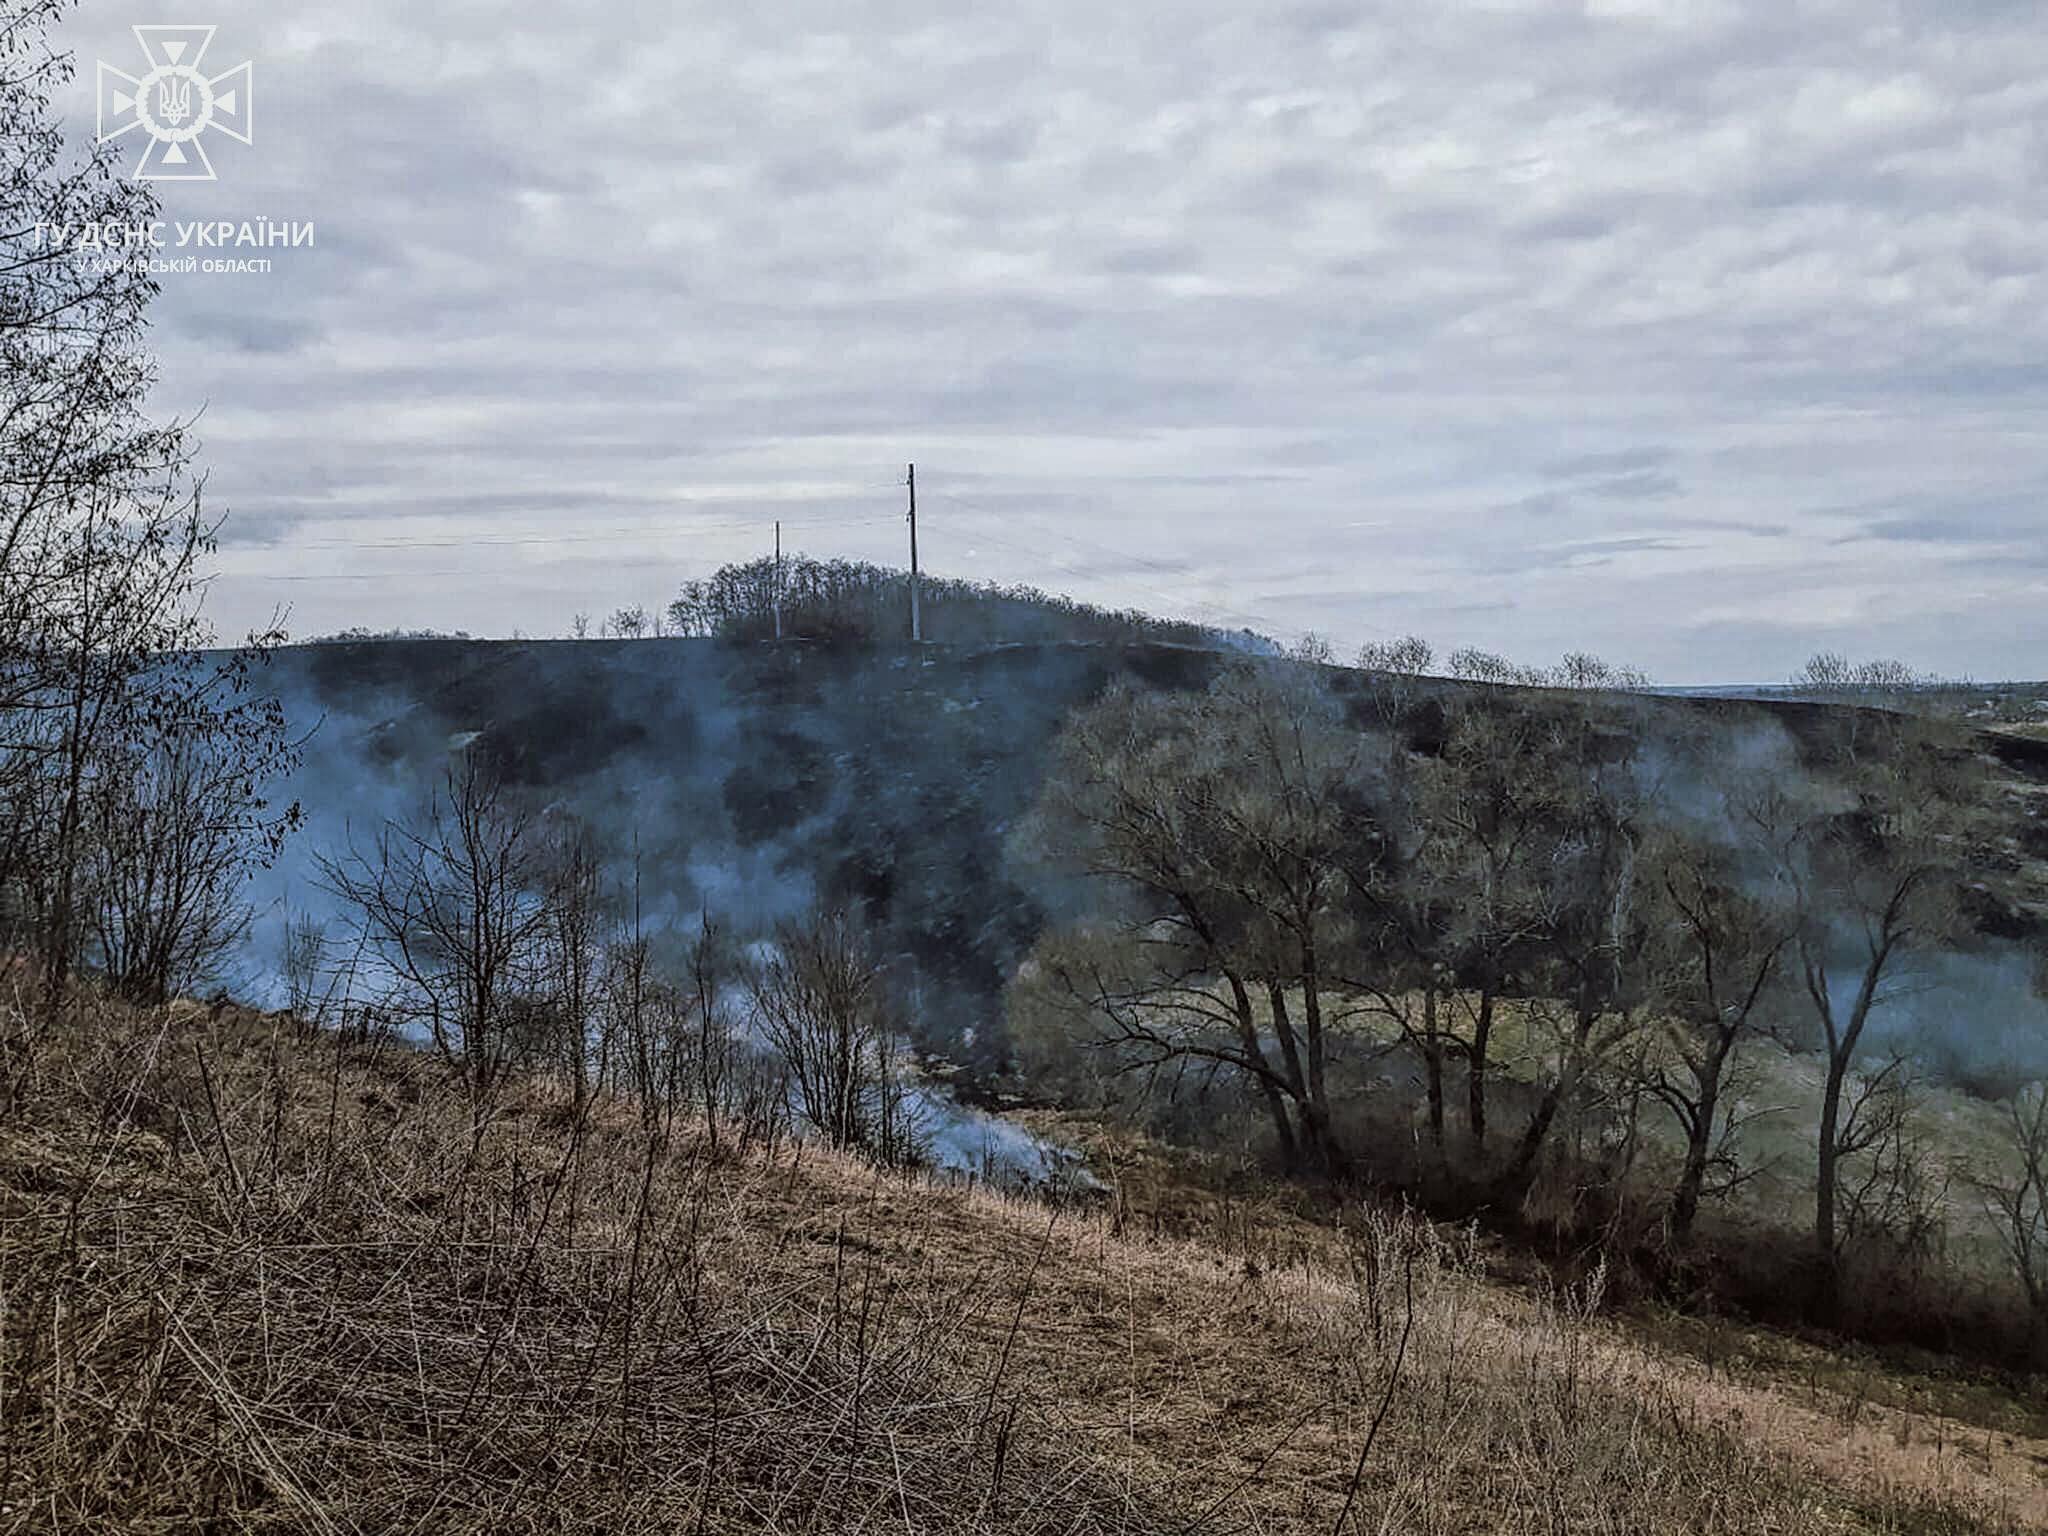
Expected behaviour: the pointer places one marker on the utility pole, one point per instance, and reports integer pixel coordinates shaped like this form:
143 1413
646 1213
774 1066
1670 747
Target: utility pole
778 578
916 619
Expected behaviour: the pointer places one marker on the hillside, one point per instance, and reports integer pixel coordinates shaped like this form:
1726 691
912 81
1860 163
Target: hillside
751 780
262 1278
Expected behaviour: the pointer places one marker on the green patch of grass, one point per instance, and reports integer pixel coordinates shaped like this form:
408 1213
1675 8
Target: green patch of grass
1852 1375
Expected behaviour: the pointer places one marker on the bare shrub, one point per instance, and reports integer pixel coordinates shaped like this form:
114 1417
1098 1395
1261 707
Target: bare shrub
172 834
348 1310
822 1006
2017 1194
450 906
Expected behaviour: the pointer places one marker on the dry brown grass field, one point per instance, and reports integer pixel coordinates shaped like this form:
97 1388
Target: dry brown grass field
255 1277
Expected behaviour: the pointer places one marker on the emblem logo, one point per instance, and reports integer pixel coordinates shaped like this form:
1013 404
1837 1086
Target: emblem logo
175 103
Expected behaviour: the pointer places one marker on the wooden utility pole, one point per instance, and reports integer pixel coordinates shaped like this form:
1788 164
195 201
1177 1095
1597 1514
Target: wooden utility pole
778 578
916 618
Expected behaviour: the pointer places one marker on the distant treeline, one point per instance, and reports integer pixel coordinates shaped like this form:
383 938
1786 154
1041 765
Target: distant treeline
853 601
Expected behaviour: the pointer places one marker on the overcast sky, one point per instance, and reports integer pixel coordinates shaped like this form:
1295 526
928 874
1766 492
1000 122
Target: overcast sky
1702 335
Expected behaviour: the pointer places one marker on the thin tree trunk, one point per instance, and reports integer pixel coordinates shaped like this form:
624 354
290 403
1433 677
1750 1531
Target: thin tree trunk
1521 1167
1276 1103
1685 1200
1433 1067
1475 1080
1826 1173
1841 1055
1331 1155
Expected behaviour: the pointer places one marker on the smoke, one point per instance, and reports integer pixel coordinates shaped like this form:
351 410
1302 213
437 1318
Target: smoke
1707 774
746 784
1974 1019
962 1139
753 783
750 782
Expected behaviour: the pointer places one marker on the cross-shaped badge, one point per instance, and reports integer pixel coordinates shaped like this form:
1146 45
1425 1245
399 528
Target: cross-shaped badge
174 103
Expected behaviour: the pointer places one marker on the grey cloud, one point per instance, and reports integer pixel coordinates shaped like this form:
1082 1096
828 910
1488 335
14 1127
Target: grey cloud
1545 504
1937 530
1734 287
1637 485
246 329
1149 260
1761 530
1625 461
1601 550
265 528
1576 555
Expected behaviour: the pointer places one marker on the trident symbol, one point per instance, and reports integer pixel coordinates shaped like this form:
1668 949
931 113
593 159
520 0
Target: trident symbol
175 105
174 101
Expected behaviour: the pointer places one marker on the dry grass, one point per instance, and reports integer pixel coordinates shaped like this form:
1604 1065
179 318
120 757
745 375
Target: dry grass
252 1278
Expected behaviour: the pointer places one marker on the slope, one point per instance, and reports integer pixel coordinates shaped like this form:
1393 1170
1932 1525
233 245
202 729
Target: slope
259 1278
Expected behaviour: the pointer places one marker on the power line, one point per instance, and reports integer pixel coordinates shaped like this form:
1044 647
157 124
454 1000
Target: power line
1090 549
975 503
584 537
526 570
588 536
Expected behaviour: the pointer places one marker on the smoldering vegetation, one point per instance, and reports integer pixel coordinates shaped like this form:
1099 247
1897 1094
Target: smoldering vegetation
1597 965
756 783
1696 981
607 1198
667 791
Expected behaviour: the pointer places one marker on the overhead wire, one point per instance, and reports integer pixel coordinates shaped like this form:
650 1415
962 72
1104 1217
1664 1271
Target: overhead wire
585 536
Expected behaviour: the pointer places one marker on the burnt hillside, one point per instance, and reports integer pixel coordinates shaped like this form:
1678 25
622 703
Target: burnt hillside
754 779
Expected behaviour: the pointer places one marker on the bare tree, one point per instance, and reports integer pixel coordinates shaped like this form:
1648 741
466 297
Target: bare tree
1582 669
1472 665
1588 990
1395 666
1877 882
1831 673
1410 656
820 1002
1724 953
643 1016
173 826
570 954
1578 669
309 985
2015 1192
1237 830
1826 672
710 962
844 601
109 717
1489 811
451 907
1892 1186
